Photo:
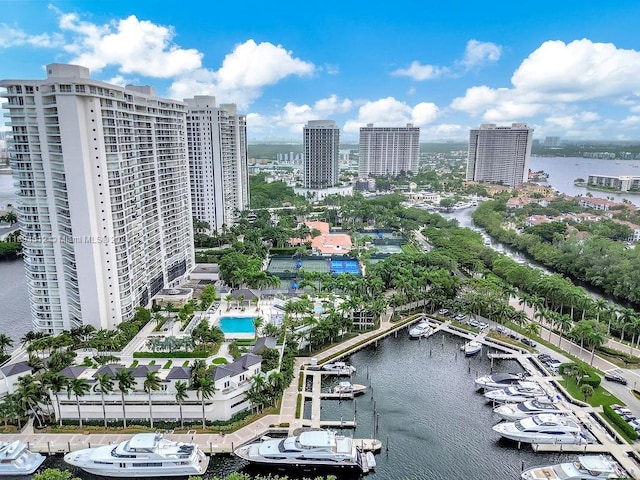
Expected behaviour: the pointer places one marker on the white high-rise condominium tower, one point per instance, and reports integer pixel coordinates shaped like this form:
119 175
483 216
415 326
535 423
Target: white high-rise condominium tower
217 145
499 154
321 140
387 151
102 179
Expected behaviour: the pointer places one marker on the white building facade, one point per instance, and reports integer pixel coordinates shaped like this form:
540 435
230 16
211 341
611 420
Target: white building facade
321 141
217 145
102 182
387 151
499 154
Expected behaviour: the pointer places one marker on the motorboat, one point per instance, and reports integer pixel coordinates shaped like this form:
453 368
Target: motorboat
521 392
143 455
17 459
586 467
348 388
471 348
498 380
340 368
543 428
422 329
318 448
516 411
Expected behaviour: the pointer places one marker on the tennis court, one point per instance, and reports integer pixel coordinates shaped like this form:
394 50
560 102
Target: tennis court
287 265
345 266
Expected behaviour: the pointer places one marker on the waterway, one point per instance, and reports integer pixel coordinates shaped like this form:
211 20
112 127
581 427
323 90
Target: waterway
429 414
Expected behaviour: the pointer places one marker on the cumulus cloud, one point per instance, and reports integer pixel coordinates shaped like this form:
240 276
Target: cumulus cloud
135 46
11 36
477 54
392 112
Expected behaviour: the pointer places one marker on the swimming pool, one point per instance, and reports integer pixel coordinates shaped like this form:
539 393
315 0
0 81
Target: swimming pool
231 325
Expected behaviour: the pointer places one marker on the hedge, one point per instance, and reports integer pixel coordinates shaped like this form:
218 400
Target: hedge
620 422
195 354
625 357
593 378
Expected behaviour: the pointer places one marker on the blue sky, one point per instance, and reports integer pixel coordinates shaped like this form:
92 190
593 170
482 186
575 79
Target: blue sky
567 68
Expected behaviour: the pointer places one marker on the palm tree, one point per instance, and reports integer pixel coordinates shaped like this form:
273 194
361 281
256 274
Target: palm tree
125 383
103 385
626 317
532 329
563 322
595 340
56 383
5 341
151 384
205 390
79 387
181 396
29 394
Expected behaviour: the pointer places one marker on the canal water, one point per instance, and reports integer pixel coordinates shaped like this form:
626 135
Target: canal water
435 424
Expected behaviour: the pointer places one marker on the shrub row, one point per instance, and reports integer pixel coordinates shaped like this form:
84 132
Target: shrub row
618 354
620 422
194 354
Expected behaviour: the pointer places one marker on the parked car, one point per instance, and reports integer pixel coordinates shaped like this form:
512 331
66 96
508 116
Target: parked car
501 329
615 377
483 325
443 311
528 341
635 424
459 317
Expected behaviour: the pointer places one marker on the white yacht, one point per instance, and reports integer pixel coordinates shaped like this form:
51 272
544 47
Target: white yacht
471 348
543 428
340 368
17 459
321 448
422 329
516 411
498 380
586 467
521 392
144 455
349 388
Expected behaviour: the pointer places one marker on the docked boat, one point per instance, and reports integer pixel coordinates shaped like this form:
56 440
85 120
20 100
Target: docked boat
521 392
348 388
586 467
144 455
498 380
422 329
471 348
543 428
340 368
516 411
17 459
315 449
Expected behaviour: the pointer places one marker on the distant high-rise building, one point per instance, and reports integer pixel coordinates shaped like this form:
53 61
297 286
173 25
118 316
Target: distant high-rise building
387 151
321 139
552 141
102 182
499 154
217 146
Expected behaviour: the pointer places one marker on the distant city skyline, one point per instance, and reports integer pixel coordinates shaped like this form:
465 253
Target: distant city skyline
567 69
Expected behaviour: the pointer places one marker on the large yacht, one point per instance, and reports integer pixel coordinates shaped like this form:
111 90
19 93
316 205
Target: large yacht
422 329
144 455
586 467
17 459
498 380
516 411
321 449
521 392
339 368
349 388
543 428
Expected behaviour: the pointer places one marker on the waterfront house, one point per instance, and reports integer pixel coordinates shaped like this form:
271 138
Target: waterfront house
9 375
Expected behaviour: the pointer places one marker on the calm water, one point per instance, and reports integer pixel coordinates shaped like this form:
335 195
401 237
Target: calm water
435 423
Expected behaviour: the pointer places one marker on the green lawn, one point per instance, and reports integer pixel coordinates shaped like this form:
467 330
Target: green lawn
600 395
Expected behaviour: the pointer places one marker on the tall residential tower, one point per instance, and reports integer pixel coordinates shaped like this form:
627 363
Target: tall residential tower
321 141
387 151
217 144
499 154
102 181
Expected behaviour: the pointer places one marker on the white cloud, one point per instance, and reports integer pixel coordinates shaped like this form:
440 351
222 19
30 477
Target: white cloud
478 54
419 72
135 46
332 69
391 112
15 37
631 121
476 99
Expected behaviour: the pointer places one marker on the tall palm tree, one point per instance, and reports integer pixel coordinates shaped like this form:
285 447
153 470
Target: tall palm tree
125 383
5 342
181 396
103 385
56 384
595 340
563 322
151 384
205 390
29 394
79 387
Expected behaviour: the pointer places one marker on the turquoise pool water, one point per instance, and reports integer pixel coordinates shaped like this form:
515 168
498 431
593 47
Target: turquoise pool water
237 325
